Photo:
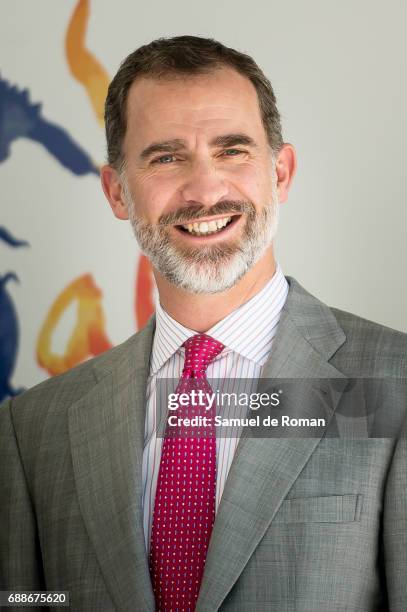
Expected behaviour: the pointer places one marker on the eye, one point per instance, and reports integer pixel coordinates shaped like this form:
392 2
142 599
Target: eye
232 152
164 159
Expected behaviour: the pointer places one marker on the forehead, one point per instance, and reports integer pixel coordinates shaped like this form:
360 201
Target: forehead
195 105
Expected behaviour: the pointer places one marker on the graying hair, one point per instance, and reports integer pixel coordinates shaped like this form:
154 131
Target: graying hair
183 55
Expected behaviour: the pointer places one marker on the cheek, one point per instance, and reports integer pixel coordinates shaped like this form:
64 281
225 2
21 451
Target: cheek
253 182
152 197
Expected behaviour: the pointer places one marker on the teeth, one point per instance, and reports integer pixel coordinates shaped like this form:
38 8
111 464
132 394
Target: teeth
206 227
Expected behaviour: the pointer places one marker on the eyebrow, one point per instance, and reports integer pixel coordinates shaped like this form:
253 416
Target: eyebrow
231 140
175 144
167 146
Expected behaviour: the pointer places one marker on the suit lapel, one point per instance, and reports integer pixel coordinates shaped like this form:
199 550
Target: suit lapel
264 470
107 436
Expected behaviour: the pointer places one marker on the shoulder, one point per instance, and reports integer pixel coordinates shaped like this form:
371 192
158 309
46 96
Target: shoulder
376 349
57 393
353 344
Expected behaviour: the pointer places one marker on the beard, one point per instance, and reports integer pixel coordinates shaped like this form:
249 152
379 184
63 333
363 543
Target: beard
212 268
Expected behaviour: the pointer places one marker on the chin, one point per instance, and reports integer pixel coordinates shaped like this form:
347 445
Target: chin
199 279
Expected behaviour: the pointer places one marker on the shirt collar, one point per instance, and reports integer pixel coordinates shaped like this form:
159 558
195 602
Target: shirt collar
248 330
168 337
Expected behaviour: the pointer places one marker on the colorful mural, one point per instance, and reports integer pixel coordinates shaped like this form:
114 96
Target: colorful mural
22 118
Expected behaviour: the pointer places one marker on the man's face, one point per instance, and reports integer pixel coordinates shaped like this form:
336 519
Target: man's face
199 183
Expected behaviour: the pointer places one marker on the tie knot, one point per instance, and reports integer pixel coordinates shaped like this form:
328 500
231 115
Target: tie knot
200 350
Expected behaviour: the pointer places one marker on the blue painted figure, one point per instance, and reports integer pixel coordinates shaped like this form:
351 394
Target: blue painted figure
8 338
8 324
20 118
6 237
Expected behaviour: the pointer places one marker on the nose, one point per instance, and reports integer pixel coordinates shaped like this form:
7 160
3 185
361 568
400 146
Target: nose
203 185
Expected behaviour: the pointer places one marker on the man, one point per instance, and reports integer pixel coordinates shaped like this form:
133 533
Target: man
94 501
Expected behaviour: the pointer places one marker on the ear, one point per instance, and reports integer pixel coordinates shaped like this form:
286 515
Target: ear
113 189
286 165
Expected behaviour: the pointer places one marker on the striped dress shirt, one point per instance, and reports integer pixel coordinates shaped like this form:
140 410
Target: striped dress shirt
247 334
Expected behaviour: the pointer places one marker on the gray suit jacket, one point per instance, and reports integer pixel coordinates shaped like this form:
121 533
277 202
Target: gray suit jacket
303 525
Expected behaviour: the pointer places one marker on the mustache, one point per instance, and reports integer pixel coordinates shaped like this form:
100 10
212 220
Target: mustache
186 215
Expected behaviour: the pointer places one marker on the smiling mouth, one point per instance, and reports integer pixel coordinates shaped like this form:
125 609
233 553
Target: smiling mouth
208 227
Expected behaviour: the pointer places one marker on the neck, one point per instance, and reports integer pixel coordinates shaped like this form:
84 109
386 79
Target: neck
203 311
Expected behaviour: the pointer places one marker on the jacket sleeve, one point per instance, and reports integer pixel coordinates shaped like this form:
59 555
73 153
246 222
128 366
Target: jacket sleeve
395 527
20 555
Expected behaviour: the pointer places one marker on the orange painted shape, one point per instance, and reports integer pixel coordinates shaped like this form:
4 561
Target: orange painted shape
84 66
87 339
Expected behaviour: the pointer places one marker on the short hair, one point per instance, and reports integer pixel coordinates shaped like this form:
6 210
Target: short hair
183 55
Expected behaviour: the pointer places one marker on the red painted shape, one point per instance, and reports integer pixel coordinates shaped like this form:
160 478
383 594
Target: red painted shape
143 298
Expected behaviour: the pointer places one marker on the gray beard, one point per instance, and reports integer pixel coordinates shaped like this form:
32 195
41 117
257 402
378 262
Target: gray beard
212 268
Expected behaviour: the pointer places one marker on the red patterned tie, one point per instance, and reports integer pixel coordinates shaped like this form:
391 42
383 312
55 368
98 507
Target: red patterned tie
184 509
